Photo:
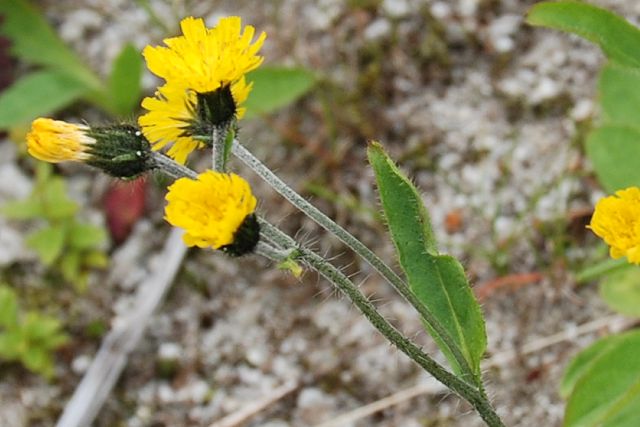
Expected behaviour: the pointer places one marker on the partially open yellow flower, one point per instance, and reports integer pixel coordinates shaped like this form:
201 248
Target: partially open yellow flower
173 118
119 150
617 221
56 141
204 59
215 210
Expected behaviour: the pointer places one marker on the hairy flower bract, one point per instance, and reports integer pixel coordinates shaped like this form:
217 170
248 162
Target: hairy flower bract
57 141
211 208
617 221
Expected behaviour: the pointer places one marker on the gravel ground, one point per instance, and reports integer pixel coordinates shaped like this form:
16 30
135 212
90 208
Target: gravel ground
485 113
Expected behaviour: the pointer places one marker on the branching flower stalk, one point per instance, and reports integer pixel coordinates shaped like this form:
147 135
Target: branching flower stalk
199 105
283 247
356 245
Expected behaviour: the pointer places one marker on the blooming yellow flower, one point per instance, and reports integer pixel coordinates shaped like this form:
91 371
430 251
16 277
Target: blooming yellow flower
173 118
57 141
215 211
617 221
205 59
205 85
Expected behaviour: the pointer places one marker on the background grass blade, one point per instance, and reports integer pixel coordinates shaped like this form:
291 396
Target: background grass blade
37 94
437 280
34 41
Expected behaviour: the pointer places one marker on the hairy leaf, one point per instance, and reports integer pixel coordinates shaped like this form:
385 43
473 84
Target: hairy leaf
437 280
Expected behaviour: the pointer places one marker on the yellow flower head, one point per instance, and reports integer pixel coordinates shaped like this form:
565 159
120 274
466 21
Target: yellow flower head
215 210
173 118
205 59
57 141
617 221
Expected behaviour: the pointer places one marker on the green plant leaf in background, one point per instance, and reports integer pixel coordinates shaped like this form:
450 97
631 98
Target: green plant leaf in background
619 89
48 243
86 236
37 94
275 87
34 41
437 280
616 37
614 150
124 83
8 307
605 384
621 291
22 209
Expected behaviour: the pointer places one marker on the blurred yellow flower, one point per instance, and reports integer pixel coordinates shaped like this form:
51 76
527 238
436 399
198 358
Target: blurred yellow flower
205 59
173 118
215 210
617 221
57 141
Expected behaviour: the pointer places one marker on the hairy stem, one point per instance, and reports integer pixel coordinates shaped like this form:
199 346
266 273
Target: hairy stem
358 247
465 390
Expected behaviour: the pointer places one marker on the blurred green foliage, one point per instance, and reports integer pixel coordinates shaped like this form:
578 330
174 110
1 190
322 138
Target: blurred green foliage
65 244
29 338
61 77
602 383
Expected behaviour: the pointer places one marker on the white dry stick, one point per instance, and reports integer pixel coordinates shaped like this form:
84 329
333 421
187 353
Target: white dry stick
97 383
615 323
245 414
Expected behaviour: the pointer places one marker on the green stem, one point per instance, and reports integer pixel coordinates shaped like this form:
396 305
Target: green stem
288 247
171 167
466 391
218 136
357 246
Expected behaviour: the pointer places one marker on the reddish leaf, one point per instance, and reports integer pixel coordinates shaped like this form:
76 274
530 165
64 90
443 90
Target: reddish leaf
124 203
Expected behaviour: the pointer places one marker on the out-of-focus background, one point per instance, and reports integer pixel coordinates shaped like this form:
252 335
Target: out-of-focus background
485 113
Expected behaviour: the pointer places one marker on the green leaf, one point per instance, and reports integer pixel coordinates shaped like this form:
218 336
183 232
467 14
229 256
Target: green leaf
22 209
604 381
86 236
276 87
437 280
581 363
8 307
70 266
614 151
54 199
620 94
619 40
621 291
124 83
34 41
48 243
37 94
602 268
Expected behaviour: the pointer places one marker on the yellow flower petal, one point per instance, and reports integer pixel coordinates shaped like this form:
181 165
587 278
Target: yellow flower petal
57 141
617 221
210 208
205 59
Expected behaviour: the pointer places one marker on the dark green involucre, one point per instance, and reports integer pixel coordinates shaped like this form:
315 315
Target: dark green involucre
120 151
